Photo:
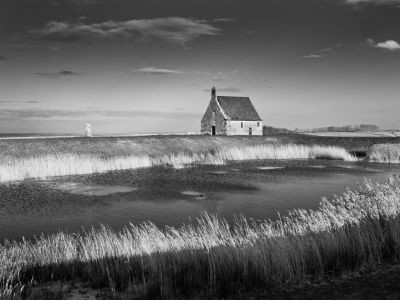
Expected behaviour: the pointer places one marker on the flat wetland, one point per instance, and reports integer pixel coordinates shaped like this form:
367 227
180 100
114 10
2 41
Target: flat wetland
168 196
187 216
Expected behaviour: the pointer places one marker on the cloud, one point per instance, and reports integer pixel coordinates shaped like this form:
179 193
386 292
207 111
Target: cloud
323 52
150 114
41 114
2 57
63 73
329 49
216 76
83 18
230 89
313 56
158 71
171 29
222 76
223 20
54 114
377 2
219 76
18 102
248 32
390 45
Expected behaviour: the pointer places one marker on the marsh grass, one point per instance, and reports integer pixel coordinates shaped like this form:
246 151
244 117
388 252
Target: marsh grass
211 258
384 153
75 164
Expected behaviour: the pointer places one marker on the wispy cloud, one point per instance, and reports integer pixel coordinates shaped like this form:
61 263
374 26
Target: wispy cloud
55 75
159 71
313 56
216 76
18 102
222 76
54 114
223 20
328 49
323 52
390 45
171 29
248 32
41 114
230 89
149 114
2 57
377 2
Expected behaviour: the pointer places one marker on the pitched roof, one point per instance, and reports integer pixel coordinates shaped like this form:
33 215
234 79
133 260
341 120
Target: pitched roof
238 108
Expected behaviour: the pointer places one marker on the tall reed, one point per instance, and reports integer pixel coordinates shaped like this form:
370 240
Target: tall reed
384 153
75 164
210 257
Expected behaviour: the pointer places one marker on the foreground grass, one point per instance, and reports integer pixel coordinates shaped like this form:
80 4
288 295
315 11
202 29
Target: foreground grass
212 258
43 166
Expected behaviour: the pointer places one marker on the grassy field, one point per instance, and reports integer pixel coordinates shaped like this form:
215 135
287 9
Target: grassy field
160 145
358 134
210 258
21 159
356 145
39 158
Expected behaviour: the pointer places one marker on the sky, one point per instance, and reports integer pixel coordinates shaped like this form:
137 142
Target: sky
147 66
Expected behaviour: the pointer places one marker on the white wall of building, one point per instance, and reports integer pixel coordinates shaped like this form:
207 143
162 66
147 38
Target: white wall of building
243 127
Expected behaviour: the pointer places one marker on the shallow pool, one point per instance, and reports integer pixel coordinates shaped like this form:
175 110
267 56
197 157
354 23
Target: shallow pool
168 196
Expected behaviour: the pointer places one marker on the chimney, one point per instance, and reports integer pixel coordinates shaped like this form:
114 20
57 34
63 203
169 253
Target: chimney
213 92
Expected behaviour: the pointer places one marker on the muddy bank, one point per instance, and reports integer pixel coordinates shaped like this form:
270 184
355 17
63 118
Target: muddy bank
379 283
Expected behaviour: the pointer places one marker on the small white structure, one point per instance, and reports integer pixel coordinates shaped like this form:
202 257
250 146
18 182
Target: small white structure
88 130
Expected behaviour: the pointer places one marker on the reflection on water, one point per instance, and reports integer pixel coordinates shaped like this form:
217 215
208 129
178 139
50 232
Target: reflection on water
192 194
219 172
270 168
92 189
167 196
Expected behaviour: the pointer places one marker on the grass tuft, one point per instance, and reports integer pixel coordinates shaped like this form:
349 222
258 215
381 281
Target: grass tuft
384 153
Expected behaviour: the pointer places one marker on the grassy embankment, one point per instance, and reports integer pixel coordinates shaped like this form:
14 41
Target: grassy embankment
384 153
22 159
210 258
355 145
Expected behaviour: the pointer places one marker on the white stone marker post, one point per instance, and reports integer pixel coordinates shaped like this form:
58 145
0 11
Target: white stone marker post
88 130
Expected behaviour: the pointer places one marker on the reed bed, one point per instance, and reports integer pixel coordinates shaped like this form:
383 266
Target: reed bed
75 164
384 153
210 257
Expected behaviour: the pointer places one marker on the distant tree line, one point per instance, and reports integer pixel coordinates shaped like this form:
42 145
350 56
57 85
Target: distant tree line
347 128
269 130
